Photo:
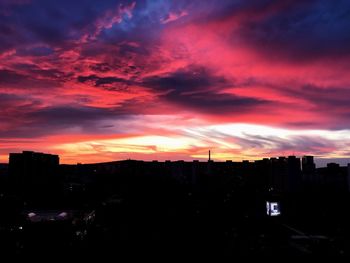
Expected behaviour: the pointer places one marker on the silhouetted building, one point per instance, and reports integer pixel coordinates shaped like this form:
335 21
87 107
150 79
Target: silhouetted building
34 175
308 165
348 177
260 178
3 177
334 178
310 178
285 174
294 179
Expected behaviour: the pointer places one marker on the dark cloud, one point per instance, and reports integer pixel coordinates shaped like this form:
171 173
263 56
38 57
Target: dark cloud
186 80
52 23
297 29
107 83
38 121
301 30
115 67
215 103
330 102
197 88
36 51
9 98
124 49
52 78
101 67
64 23
12 103
324 97
10 77
35 72
14 111
68 115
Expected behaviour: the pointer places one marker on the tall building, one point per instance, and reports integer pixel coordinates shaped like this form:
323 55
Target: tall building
308 164
294 174
285 174
310 177
348 177
33 174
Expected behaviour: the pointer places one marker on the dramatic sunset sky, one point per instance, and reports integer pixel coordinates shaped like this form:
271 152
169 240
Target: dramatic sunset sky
107 80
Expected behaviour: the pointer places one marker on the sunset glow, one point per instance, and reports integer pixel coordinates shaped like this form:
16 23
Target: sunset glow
169 80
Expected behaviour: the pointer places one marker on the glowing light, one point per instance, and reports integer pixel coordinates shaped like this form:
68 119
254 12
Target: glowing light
30 215
63 214
273 208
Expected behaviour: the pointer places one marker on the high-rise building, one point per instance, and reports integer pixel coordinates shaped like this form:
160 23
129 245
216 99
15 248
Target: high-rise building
33 174
310 178
308 164
285 174
348 177
294 174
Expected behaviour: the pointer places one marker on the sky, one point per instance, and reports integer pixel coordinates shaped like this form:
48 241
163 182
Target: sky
97 81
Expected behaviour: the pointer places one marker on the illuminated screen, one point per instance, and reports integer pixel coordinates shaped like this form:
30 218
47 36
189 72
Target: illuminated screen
273 208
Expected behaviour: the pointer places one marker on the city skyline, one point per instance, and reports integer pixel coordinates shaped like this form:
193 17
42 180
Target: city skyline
173 79
319 163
